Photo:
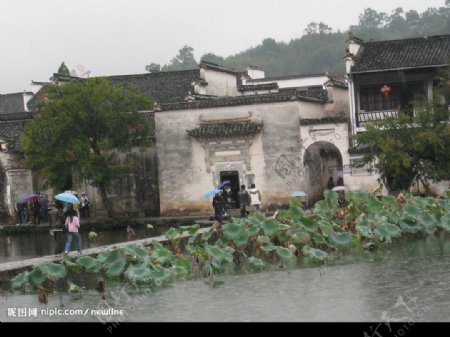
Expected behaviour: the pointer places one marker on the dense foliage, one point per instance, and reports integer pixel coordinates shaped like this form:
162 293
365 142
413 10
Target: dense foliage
321 49
81 128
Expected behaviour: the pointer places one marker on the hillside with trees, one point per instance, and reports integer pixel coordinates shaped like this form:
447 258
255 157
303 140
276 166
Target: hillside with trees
321 49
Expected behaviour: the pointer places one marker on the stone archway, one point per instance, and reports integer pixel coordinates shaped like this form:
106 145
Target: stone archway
322 160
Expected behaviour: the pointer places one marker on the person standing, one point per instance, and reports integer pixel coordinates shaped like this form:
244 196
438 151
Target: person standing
84 205
330 183
72 224
255 197
36 211
218 204
56 222
244 201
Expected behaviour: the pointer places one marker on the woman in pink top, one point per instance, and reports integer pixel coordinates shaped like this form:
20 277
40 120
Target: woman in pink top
72 224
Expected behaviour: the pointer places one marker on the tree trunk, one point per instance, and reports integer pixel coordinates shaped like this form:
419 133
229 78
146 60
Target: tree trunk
106 204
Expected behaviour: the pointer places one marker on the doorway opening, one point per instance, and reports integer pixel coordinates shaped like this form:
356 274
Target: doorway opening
233 178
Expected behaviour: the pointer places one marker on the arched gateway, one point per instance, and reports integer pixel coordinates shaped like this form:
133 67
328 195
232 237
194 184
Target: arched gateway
322 160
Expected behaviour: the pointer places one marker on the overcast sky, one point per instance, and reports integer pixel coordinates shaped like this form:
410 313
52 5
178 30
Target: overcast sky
114 37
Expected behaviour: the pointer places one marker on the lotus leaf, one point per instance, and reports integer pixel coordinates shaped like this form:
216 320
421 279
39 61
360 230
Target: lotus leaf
20 280
255 263
340 240
233 230
90 264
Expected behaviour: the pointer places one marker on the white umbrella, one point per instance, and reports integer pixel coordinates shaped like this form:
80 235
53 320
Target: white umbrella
338 188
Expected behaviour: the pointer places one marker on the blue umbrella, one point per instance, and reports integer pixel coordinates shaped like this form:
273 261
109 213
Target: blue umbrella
212 193
299 194
67 197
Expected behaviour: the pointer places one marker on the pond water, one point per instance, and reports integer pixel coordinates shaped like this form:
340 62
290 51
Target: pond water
31 245
407 281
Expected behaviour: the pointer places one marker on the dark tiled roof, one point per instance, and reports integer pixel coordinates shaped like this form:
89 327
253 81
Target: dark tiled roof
262 86
10 132
225 129
37 98
12 103
408 53
162 87
312 96
325 120
290 77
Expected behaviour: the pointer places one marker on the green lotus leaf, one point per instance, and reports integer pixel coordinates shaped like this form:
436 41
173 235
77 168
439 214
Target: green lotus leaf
445 222
73 288
233 230
90 264
157 244
116 268
325 227
268 248
426 218
172 234
340 240
253 229
206 236
301 237
410 227
162 255
54 271
389 201
284 252
191 229
395 217
412 211
317 254
161 275
331 197
387 231
242 240
139 251
193 238
113 256
283 236
197 251
37 276
373 205
139 274
20 280
309 224
219 254
318 239
269 226
255 263
182 263
262 239
364 231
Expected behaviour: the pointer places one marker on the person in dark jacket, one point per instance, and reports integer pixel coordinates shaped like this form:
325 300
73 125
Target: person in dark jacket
218 204
244 201
56 222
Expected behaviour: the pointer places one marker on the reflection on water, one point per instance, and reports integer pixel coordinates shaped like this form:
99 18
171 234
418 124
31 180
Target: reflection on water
408 281
30 245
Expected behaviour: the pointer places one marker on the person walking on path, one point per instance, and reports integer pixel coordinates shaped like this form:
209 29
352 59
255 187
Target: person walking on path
72 225
255 197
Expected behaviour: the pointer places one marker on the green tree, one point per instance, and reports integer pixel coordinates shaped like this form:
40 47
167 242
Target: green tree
153 68
183 61
63 70
406 149
82 128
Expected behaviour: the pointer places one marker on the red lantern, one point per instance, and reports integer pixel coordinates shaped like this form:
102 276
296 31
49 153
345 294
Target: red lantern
386 90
